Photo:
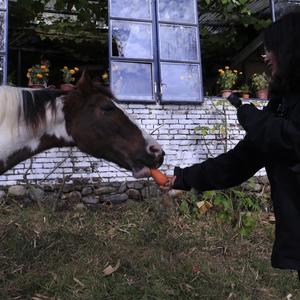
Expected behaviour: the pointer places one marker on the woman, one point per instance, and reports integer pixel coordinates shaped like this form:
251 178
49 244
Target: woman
272 141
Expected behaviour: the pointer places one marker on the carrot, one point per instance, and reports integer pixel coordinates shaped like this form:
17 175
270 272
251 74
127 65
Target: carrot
159 177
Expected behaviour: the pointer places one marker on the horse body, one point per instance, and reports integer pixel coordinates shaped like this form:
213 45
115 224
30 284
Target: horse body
32 121
19 139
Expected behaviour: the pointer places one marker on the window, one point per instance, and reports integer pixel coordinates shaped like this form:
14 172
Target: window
154 50
3 41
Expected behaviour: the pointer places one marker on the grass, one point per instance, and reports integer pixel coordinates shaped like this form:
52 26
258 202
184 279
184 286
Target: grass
162 255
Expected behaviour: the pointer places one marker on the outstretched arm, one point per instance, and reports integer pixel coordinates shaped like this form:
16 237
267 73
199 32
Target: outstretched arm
226 170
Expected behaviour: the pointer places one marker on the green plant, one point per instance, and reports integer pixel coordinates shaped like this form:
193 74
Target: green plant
260 81
236 207
220 130
188 205
244 88
68 74
38 74
227 78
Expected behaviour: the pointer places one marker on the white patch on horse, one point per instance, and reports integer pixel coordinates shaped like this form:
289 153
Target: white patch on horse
15 135
56 125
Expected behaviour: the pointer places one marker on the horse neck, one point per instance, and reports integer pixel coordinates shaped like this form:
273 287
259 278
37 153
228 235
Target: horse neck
21 142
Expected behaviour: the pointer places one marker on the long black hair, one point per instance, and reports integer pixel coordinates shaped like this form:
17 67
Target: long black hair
283 39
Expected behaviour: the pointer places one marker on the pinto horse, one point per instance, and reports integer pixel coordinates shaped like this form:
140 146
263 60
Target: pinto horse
32 121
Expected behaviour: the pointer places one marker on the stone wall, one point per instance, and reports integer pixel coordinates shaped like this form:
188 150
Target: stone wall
79 195
172 125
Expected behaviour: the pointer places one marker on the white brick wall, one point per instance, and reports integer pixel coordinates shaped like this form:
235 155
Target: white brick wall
173 126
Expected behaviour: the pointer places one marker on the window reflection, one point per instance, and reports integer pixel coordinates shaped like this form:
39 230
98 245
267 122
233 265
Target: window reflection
134 9
132 80
131 40
178 42
180 82
177 10
2 30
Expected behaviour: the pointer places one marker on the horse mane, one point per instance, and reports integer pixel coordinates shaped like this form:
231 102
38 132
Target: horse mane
26 104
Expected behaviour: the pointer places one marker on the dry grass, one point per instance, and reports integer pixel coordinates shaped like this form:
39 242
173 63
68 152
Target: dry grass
161 256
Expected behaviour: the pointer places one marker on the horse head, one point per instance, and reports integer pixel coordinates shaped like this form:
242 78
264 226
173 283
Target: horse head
101 128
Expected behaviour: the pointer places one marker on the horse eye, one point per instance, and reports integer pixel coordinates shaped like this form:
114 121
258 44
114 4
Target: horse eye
107 107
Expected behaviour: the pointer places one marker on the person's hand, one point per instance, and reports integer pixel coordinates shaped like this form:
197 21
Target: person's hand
169 185
234 100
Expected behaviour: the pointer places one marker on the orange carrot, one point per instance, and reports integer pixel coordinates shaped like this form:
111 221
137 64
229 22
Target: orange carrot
159 177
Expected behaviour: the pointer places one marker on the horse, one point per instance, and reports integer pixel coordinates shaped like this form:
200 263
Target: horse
88 117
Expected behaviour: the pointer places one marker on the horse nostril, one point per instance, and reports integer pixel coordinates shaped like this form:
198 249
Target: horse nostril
154 149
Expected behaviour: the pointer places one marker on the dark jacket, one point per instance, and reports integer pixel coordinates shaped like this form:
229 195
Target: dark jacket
272 141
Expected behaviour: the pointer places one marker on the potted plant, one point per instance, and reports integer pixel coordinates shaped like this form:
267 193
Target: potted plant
226 81
260 83
38 76
105 78
245 91
68 78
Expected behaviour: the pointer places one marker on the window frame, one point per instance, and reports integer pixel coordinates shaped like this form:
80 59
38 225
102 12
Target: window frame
156 61
3 52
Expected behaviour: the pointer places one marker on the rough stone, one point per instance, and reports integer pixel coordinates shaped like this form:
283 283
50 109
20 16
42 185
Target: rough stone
257 187
90 200
134 194
2 195
267 189
115 199
74 196
48 188
36 194
263 180
246 186
17 191
87 191
68 188
135 185
105 190
123 187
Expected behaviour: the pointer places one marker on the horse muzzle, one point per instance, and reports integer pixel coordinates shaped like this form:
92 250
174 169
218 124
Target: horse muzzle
154 159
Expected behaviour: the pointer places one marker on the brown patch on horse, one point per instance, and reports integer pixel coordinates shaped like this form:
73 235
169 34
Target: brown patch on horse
46 142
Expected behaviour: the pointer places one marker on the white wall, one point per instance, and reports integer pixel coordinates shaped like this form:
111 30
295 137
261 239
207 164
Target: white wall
172 125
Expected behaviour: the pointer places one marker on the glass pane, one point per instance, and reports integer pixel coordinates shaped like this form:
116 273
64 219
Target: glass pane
178 42
133 9
132 81
131 40
177 10
2 30
180 82
1 69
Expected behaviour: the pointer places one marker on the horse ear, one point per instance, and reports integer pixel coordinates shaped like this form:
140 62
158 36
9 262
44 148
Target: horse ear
85 84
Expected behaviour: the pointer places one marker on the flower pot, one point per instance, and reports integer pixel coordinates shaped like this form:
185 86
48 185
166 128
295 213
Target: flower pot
245 95
225 93
66 87
262 94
